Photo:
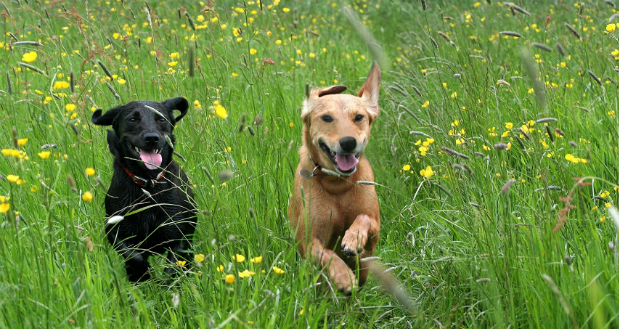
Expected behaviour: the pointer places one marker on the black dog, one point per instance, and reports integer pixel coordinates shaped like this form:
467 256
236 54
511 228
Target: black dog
148 184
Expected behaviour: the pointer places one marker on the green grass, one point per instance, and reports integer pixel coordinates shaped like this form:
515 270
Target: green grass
469 255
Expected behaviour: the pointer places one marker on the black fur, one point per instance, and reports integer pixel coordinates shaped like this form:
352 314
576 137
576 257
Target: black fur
166 215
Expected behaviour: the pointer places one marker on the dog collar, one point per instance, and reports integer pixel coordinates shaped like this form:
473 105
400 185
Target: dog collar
327 172
143 181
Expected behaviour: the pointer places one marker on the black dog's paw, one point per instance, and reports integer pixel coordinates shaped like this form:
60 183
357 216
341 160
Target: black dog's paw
138 275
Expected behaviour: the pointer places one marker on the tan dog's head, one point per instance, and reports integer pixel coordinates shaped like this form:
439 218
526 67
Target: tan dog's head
337 126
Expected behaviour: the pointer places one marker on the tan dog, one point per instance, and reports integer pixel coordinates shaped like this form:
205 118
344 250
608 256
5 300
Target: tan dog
328 206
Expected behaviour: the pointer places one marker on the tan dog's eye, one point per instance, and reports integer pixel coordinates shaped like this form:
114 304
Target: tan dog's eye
327 118
359 118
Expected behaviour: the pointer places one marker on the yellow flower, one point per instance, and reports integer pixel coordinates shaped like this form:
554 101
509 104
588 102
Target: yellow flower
234 74
278 270
230 278
406 167
87 196
278 42
220 268
239 258
454 95
605 194
70 107
180 263
90 171
236 31
4 207
312 55
196 104
199 258
175 55
12 178
121 81
172 64
220 111
611 27
285 9
44 154
509 125
246 274
256 259
252 51
426 104
427 173
22 141
29 57
61 85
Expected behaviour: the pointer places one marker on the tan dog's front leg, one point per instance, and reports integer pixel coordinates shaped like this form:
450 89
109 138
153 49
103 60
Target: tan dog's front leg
339 273
357 235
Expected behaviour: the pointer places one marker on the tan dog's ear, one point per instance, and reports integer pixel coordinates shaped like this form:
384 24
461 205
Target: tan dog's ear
370 89
317 93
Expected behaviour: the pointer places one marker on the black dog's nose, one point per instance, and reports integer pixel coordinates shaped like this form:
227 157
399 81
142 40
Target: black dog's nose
348 144
151 138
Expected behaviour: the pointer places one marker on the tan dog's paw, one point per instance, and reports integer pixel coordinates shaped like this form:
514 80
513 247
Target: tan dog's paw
343 278
353 242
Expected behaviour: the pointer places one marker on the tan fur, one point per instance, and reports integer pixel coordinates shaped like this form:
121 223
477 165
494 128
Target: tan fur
329 213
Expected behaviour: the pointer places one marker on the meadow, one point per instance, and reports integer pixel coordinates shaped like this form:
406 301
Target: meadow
495 156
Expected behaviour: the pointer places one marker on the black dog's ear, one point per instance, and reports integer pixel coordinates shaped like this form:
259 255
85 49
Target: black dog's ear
179 104
106 119
113 143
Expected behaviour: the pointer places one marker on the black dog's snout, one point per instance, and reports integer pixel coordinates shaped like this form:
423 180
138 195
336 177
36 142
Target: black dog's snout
348 144
151 138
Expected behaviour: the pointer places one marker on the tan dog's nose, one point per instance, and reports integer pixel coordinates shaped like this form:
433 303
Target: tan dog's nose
348 144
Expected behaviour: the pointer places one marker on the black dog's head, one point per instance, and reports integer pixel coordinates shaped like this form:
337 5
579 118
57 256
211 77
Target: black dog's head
140 130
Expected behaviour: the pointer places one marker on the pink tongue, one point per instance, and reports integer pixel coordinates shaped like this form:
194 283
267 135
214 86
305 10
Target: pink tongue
346 162
151 160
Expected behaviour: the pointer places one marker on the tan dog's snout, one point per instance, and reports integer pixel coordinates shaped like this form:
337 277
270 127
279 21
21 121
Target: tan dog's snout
348 144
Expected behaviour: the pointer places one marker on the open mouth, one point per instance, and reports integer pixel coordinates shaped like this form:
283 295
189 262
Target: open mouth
344 163
152 158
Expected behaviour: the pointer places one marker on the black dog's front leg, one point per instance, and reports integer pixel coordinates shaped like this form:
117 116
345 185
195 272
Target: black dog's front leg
177 253
136 263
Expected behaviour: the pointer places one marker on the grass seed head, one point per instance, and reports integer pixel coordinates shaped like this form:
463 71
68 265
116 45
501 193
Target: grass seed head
500 146
533 73
112 90
516 8
541 46
595 77
560 49
105 69
511 34
507 185
573 30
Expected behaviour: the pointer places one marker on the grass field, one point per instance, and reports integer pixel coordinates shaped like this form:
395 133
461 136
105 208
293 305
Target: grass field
495 156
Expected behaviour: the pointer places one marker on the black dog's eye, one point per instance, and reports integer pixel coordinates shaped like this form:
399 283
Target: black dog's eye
132 120
359 118
327 118
161 119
